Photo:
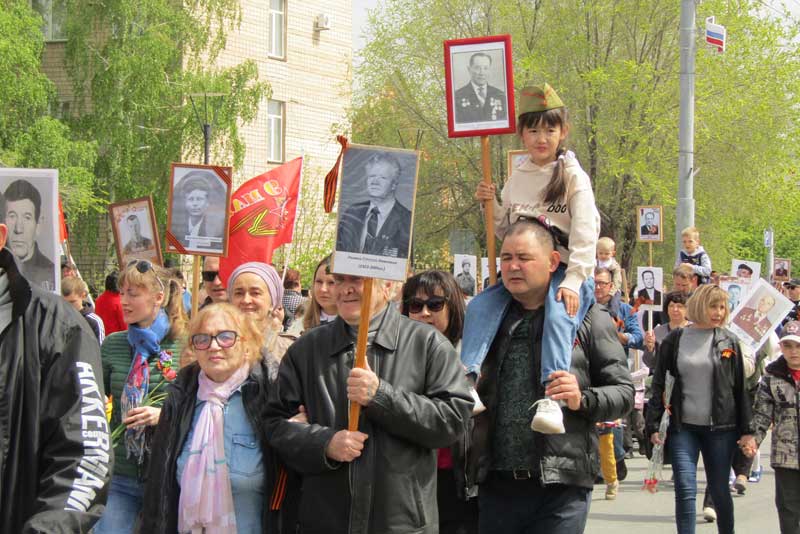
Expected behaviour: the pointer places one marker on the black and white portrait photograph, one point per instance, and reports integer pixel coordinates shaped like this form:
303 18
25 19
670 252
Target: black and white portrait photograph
781 270
649 287
749 270
736 288
650 224
31 215
376 206
198 214
480 99
759 314
135 231
465 271
515 159
485 270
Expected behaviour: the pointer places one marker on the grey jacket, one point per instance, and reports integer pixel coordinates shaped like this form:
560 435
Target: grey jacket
422 404
778 403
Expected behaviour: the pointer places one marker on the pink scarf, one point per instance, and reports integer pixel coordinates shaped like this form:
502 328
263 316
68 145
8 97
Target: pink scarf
206 502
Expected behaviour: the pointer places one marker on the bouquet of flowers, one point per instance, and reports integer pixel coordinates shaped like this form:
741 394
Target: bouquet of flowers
657 458
153 397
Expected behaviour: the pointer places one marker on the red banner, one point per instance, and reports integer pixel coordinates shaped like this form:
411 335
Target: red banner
262 216
63 234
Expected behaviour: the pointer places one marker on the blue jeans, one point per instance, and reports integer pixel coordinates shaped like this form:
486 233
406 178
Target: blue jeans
717 448
486 311
525 507
123 507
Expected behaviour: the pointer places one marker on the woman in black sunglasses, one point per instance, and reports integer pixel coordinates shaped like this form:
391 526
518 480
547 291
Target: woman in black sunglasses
434 297
136 362
212 414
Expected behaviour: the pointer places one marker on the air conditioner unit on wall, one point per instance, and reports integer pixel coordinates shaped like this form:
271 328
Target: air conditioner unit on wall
322 22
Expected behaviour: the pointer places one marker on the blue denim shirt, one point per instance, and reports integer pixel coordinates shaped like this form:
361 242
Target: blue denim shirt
245 467
485 313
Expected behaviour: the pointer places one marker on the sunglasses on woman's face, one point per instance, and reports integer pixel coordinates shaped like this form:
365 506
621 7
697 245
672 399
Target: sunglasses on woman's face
210 276
143 266
434 304
225 339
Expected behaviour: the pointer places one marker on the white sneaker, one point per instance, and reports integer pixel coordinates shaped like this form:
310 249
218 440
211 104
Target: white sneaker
548 419
478 407
709 514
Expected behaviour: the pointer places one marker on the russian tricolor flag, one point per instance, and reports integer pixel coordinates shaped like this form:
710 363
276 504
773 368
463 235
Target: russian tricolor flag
715 34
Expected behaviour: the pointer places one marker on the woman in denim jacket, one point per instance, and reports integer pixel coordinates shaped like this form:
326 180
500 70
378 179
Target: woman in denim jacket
212 413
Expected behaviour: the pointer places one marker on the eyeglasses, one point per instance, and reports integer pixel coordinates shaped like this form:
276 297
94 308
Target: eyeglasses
600 283
210 276
225 339
143 266
434 304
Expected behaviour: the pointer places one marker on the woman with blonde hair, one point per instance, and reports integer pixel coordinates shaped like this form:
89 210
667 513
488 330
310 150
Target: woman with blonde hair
710 411
322 306
210 465
135 362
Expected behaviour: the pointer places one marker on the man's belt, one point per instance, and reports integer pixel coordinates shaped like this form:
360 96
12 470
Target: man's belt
514 474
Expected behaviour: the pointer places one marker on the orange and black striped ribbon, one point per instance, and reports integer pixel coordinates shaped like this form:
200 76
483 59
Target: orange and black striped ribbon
332 177
279 492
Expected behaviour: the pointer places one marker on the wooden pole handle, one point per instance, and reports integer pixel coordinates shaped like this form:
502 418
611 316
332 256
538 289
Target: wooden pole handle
488 210
361 347
195 285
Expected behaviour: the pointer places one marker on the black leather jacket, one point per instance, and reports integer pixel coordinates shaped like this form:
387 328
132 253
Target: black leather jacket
599 363
731 406
54 436
162 491
421 405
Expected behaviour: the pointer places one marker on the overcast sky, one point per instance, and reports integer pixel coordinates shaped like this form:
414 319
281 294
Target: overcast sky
360 8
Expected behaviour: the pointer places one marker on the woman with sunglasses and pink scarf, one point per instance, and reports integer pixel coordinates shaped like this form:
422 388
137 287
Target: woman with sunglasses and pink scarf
136 362
434 297
210 464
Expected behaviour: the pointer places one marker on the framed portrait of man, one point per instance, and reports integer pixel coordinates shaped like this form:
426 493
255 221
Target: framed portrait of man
135 231
650 224
759 314
515 158
485 270
376 212
465 271
781 270
31 215
649 288
737 289
199 209
479 84
748 270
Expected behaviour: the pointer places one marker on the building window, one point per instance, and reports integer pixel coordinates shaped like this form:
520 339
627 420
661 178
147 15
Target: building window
54 15
275 130
277 28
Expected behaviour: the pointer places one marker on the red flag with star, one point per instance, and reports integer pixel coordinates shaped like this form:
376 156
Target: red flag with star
263 212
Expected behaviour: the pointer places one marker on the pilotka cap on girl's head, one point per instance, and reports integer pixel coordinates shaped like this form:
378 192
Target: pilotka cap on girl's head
538 98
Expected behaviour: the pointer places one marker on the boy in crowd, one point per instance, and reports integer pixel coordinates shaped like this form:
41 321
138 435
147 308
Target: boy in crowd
606 250
75 291
778 403
693 254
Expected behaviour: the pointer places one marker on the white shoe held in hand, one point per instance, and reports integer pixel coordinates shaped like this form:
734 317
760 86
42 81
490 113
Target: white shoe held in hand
548 419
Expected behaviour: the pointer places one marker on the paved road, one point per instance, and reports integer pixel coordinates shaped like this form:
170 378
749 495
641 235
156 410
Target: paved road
639 512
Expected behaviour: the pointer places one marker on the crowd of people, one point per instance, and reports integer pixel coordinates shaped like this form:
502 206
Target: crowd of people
496 413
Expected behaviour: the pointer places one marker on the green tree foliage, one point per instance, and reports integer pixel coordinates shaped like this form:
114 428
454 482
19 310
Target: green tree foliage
28 137
616 65
134 64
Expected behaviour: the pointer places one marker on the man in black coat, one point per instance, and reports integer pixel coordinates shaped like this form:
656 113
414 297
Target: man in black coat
55 462
414 400
381 225
478 101
528 480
